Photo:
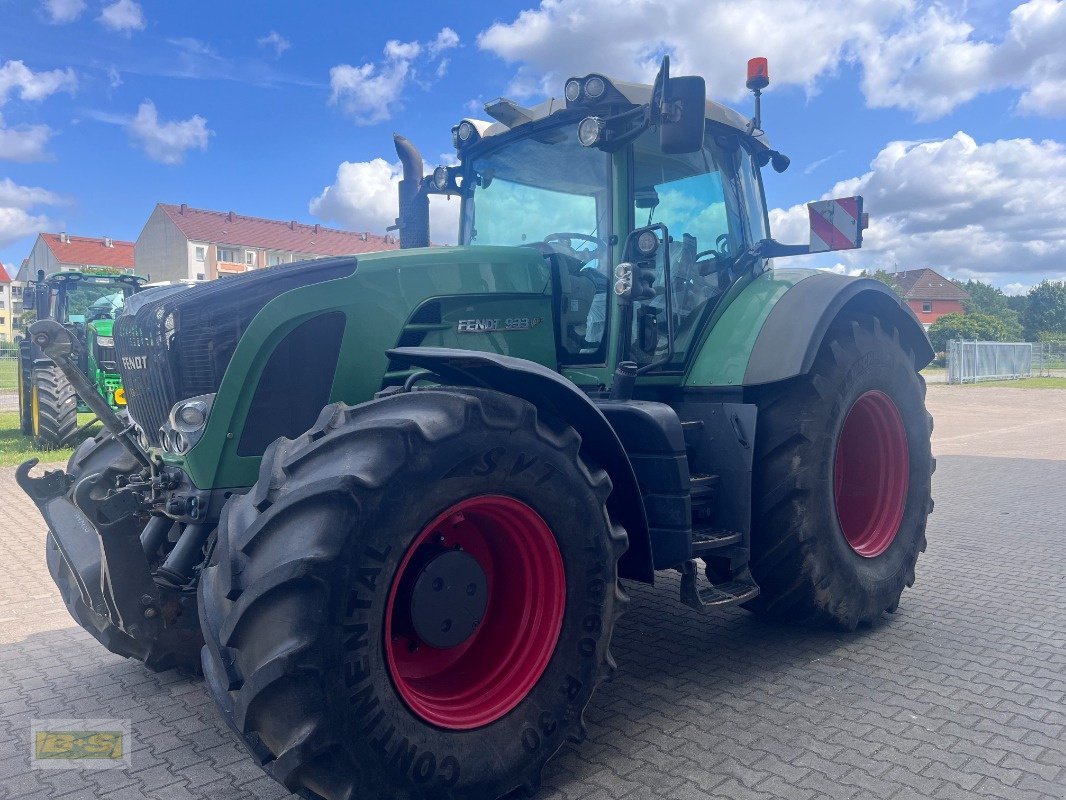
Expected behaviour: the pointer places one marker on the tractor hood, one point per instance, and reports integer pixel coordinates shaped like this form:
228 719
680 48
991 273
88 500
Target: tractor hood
219 339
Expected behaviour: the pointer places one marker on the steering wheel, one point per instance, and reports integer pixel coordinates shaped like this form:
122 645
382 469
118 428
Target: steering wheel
564 238
718 256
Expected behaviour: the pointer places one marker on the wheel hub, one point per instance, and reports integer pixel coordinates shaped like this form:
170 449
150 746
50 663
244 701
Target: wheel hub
871 474
448 599
475 611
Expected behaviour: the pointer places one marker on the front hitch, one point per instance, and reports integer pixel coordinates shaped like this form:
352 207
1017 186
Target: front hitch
97 531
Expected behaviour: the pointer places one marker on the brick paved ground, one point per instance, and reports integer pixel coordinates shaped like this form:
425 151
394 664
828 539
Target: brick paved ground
958 695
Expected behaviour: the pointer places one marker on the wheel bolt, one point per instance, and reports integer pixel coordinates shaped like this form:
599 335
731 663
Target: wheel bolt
438 584
471 589
446 626
149 613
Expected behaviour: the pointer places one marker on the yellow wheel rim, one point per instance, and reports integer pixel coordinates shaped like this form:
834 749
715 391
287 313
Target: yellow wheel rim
35 411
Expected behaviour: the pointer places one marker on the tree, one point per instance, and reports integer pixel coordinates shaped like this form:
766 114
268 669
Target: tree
886 278
988 299
1045 312
984 327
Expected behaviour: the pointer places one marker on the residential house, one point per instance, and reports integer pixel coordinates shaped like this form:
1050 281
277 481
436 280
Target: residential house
930 295
56 252
7 307
182 243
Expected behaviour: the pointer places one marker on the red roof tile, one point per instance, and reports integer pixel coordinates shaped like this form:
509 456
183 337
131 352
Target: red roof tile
90 252
4 277
222 227
925 284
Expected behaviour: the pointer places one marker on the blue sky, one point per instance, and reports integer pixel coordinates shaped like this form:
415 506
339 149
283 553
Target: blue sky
949 118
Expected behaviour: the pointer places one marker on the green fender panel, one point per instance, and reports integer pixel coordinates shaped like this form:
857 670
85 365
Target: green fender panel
773 329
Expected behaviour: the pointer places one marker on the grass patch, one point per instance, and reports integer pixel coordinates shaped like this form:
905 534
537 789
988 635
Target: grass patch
16 448
8 373
1024 383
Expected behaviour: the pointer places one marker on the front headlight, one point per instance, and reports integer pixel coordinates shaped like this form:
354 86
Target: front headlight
186 423
105 341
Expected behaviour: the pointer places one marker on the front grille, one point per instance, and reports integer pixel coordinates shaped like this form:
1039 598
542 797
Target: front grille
106 358
180 344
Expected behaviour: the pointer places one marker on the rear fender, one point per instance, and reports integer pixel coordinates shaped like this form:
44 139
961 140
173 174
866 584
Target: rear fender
548 390
793 332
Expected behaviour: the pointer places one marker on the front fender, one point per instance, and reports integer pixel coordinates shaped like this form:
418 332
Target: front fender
548 390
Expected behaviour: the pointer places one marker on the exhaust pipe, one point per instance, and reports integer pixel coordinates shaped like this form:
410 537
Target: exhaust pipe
413 222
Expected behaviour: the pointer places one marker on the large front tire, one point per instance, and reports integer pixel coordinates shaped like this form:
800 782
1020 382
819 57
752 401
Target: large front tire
319 650
842 481
53 408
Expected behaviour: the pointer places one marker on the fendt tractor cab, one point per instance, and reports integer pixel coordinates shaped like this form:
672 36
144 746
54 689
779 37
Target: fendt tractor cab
85 302
385 502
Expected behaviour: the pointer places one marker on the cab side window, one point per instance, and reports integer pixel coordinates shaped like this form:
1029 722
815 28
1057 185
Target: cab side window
687 193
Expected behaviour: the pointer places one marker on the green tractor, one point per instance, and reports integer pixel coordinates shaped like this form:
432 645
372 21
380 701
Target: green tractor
387 503
85 302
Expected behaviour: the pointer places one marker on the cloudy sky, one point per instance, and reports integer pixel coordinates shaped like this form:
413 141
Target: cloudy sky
950 118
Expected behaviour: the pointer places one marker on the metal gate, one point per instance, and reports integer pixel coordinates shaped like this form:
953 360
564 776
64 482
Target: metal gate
9 359
970 362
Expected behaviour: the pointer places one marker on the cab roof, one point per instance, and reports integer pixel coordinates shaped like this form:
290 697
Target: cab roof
510 115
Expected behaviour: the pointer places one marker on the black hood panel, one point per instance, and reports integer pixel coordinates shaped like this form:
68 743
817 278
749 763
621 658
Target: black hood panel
177 344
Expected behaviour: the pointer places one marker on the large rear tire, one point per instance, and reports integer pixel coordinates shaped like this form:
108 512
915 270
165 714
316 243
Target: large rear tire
53 408
842 481
175 647
338 585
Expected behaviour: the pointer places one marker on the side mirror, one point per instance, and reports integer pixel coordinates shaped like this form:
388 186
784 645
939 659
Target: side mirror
837 224
678 106
684 108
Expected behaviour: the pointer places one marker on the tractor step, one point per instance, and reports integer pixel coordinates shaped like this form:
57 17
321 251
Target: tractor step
715 596
702 489
692 429
704 539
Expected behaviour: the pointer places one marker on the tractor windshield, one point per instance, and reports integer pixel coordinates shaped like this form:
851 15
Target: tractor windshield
89 298
544 189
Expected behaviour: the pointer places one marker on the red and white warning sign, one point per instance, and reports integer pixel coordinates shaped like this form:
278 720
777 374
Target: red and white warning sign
836 224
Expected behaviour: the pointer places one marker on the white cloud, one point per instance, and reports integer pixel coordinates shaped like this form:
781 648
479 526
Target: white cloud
372 92
364 198
30 85
918 55
167 142
17 204
275 41
61 12
25 197
994 211
1015 289
24 143
804 40
935 63
446 40
124 16
114 78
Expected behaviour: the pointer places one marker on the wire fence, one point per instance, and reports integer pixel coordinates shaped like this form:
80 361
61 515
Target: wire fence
1049 359
971 362
9 359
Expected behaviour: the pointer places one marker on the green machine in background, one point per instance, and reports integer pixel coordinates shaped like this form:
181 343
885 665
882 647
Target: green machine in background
85 302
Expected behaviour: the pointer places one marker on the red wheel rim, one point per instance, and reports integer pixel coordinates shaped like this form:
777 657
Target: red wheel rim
871 473
480 680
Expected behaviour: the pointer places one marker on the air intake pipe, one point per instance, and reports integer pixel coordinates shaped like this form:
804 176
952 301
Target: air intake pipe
413 222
